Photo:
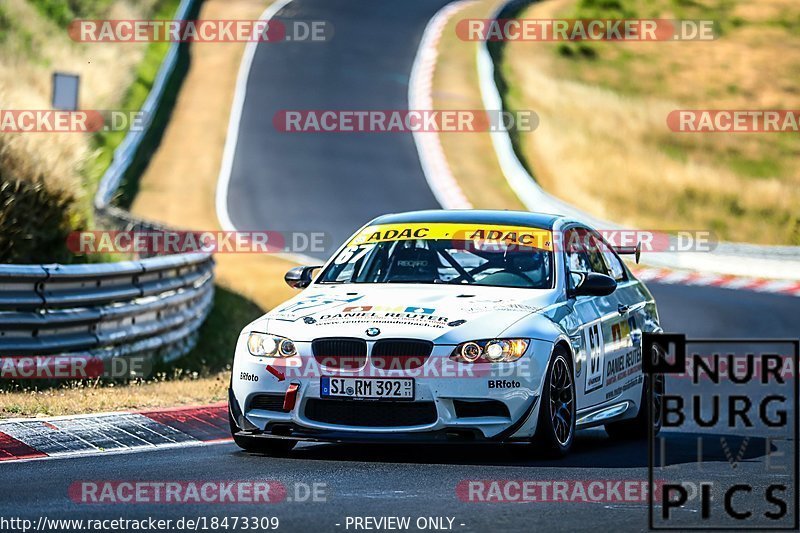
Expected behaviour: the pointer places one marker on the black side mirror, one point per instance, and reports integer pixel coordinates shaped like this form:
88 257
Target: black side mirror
594 284
299 277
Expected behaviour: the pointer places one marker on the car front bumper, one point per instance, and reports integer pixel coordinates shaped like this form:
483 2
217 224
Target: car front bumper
451 396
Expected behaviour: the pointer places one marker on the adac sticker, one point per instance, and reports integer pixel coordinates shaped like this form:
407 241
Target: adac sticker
510 235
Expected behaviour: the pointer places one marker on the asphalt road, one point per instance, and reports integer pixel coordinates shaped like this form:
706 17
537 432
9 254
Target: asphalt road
336 182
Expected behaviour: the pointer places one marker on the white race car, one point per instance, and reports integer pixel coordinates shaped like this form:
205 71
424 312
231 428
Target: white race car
451 326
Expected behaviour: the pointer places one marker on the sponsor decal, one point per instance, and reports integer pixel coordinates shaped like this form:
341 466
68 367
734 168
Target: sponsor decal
246 376
509 235
357 309
420 310
383 317
503 384
297 308
627 362
483 306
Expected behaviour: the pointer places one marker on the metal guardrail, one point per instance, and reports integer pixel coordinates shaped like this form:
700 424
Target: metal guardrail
149 307
153 306
126 150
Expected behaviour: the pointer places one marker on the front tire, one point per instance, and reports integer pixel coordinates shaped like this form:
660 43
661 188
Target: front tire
264 446
555 429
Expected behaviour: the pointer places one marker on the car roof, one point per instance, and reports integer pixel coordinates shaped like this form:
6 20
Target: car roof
472 216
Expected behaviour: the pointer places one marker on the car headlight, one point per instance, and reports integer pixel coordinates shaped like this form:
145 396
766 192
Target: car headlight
266 345
490 351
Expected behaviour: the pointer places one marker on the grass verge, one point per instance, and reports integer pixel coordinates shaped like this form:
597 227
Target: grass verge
603 143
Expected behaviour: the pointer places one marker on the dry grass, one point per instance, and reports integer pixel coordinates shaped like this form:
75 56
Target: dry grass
603 143
179 186
79 399
32 48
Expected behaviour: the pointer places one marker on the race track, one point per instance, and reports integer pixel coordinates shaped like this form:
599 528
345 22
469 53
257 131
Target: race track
334 183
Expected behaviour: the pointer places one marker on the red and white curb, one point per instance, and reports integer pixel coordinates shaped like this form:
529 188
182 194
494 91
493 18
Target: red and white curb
434 164
65 436
687 277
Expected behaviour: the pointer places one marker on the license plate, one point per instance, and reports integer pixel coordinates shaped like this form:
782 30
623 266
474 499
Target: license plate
367 388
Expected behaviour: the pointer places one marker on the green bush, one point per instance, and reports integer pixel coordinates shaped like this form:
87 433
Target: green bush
35 221
62 12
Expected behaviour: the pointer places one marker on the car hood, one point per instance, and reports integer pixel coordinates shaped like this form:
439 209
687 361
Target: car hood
446 314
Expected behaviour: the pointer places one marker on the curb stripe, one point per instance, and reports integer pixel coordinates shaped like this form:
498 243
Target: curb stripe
112 432
11 449
722 281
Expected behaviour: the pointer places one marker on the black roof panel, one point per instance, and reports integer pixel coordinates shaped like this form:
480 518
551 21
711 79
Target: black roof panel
472 216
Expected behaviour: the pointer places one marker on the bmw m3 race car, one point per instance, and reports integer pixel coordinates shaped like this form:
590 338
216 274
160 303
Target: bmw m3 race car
450 326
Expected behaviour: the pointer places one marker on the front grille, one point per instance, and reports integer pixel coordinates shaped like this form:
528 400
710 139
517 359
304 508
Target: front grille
371 414
341 353
400 354
465 409
268 402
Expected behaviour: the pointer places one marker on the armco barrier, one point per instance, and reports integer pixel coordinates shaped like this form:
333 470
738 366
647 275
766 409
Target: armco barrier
152 306
149 307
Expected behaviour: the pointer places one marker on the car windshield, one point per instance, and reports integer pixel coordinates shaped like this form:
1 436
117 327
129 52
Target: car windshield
502 262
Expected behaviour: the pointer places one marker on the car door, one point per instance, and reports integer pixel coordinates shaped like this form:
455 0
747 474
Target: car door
623 373
600 334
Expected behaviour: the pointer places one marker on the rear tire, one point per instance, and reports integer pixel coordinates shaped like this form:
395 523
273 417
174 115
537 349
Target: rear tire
555 429
637 428
264 446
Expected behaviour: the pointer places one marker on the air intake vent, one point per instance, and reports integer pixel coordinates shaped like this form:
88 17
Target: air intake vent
400 354
341 353
268 402
465 409
371 414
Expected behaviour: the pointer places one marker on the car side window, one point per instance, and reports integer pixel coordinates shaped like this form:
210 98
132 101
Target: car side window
583 254
615 268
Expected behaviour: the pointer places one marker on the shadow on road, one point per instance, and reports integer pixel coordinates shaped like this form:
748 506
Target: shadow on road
591 449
